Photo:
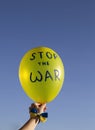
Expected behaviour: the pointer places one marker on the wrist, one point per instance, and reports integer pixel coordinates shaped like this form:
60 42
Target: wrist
36 119
34 114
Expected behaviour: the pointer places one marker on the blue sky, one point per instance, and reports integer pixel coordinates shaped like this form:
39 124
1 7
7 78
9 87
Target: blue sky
66 26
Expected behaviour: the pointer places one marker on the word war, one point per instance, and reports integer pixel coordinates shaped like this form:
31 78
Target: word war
40 77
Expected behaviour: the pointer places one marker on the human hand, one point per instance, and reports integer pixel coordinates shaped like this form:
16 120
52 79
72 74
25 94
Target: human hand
40 107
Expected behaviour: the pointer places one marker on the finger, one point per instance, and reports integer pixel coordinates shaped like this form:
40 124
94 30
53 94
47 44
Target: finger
43 106
32 106
37 104
45 109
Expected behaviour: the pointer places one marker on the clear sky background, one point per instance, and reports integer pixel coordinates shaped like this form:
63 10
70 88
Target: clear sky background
66 26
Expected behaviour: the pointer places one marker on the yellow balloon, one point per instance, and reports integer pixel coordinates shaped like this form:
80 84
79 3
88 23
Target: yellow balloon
41 74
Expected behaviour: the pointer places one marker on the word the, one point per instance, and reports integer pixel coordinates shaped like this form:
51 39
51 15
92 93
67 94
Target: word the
43 63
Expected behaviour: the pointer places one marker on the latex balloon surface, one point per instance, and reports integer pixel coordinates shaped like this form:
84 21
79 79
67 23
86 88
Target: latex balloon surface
41 74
